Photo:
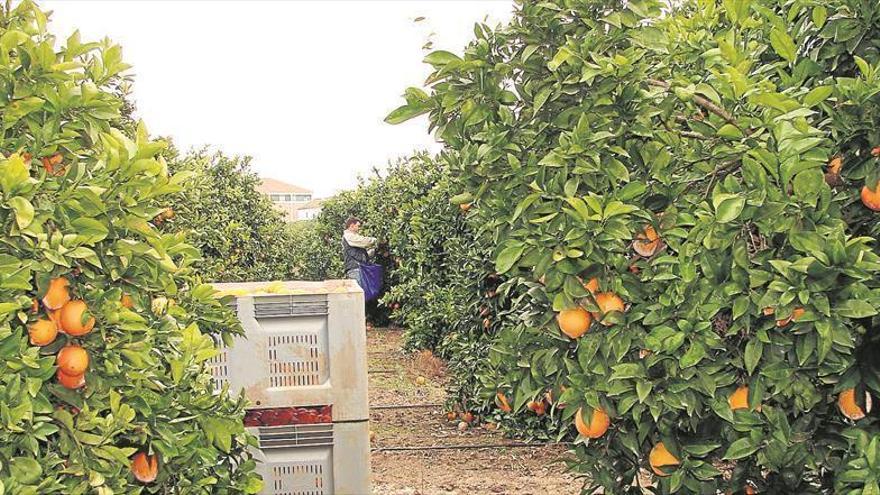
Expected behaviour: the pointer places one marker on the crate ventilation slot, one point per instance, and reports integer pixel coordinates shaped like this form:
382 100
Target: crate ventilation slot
282 306
282 437
219 367
294 360
298 479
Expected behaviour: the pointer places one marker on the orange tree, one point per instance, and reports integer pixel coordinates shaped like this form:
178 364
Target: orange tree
685 195
104 328
239 233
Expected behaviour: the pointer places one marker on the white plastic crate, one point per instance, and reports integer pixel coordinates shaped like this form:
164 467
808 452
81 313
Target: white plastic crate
315 460
304 346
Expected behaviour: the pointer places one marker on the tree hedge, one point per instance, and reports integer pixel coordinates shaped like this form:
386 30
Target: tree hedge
104 326
241 236
714 167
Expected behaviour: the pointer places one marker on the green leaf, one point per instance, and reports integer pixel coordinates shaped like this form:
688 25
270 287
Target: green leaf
24 211
693 356
90 230
406 112
508 257
754 350
855 308
818 95
739 449
783 44
439 58
728 207
25 470
13 173
730 131
820 15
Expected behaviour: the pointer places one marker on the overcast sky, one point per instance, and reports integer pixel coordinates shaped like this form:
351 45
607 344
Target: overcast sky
302 86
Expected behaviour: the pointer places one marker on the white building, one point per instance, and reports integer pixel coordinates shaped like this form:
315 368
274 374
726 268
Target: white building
295 202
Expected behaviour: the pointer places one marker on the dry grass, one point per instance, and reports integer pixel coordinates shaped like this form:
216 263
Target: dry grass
427 364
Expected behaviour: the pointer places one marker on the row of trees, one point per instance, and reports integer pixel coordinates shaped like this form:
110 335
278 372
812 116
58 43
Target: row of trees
681 200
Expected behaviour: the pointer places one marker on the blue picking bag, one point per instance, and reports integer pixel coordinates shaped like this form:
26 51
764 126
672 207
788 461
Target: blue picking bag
371 281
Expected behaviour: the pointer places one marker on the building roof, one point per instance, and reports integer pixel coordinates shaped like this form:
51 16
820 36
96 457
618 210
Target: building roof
268 186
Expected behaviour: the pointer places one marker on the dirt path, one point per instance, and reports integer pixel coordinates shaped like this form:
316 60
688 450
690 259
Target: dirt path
394 381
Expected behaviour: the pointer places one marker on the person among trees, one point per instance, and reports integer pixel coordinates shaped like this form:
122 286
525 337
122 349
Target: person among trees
354 249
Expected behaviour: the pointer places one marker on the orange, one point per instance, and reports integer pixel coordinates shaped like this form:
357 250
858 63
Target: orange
537 407
850 408
598 424
592 285
72 382
875 152
661 457
750 490
608 302
871 197
42 332
52 164
465 207
57 295
574 322
73 360
740 399
795 314
145 467
835 165
127 301
501 399
55 316
72 316
467 417
648 243
768 311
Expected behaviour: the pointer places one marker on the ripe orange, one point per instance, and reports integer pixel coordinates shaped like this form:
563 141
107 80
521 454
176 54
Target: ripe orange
750 490
501 400
598 424
795 314
871 197
846 401
648 243
127 301
592 285
875 152
52 164
467 417
835 165
465 207
739 399
42 332
661 457
145 467
72 316
608 302
73 360
57 295
574 322
72 382
450 416
537 407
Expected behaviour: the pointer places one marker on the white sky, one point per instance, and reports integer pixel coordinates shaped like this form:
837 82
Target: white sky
302 86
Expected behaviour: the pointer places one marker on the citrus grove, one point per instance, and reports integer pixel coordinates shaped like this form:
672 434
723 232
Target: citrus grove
104 328
681 206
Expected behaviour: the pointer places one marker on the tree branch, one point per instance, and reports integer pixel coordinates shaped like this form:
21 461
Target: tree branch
703 102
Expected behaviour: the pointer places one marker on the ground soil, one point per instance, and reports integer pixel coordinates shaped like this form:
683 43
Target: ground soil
394 380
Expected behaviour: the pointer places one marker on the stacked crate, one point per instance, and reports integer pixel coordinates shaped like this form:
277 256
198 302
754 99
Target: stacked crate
303 366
